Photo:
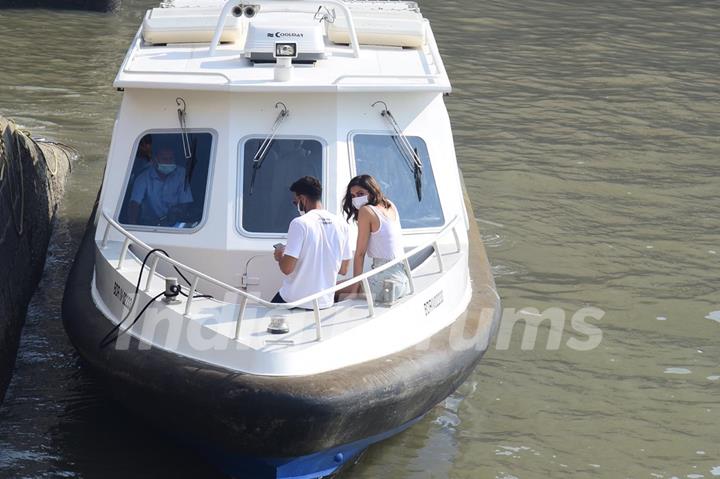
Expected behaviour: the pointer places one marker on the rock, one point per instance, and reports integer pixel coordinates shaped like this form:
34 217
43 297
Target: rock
32 179
96 5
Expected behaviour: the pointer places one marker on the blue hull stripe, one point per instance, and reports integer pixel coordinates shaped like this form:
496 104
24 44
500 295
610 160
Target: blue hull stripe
312 466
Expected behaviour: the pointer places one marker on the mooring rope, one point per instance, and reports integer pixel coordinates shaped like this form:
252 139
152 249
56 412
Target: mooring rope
44 158
70 152
13 154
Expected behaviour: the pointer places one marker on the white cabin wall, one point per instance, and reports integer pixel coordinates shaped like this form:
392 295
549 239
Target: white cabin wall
311 115
146 110
445 161
232 116
217 248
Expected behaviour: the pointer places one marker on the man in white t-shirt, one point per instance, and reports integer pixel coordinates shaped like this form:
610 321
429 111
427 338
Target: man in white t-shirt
318 248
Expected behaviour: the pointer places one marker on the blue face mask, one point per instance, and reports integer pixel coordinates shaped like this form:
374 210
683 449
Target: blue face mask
166 168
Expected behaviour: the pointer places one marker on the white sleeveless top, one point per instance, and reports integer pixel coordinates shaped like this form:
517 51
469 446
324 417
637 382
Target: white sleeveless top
386 242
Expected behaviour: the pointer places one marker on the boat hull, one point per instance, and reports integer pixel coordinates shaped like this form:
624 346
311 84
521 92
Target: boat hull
298 426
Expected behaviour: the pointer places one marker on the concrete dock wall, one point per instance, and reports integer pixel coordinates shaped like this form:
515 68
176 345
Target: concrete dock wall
32 179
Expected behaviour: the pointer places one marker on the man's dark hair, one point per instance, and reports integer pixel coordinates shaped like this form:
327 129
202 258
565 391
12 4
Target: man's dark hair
146 139
308 186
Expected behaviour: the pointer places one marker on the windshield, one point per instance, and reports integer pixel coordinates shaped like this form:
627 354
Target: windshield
165 188
380 155
266 199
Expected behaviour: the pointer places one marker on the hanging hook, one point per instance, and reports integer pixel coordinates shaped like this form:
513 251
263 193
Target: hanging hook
284 111
383 104
181 103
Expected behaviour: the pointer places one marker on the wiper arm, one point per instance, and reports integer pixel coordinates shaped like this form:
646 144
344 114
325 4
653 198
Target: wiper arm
406 149
182 119
189 148
262 152
417 173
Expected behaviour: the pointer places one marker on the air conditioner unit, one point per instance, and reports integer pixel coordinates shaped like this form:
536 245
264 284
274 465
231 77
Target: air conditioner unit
273 28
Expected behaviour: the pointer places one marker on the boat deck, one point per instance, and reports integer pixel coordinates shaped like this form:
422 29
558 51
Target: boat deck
348 331
184 66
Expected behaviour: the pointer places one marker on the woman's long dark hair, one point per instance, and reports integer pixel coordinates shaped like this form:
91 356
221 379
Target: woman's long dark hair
375 195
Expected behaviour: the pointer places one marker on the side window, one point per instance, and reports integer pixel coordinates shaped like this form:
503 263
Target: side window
381 156
266 198
166 189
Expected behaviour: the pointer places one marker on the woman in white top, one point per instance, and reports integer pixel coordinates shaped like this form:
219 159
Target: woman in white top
379 236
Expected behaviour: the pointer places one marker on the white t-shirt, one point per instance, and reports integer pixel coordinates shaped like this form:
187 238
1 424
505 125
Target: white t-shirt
319 240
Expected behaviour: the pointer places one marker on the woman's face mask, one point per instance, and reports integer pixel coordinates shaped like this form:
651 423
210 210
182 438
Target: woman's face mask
360 201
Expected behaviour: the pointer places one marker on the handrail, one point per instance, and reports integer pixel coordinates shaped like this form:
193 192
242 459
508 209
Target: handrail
245 296
433 77
338 3
126 66
135 240
434 51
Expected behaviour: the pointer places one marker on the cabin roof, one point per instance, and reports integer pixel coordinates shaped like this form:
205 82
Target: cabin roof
193 66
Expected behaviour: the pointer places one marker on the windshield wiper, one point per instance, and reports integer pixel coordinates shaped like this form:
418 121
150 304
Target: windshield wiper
262 151
188 147
409 153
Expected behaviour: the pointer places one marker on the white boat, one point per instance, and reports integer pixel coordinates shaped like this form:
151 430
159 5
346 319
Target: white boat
248 98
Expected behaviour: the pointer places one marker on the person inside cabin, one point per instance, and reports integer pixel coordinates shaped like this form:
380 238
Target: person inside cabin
143 157
160 194
379 237
318 247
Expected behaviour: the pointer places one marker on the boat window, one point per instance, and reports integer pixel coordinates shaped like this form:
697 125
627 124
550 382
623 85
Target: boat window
266 199
166 189
381 156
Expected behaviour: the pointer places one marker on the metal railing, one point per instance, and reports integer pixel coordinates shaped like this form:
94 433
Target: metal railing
434 53
197 276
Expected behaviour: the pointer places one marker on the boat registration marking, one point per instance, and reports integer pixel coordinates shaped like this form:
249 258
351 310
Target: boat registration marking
122 295
433 303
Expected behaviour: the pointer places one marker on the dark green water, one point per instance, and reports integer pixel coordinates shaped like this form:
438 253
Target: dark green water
589 136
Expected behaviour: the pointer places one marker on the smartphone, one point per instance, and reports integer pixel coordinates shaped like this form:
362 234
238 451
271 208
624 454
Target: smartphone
278 245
